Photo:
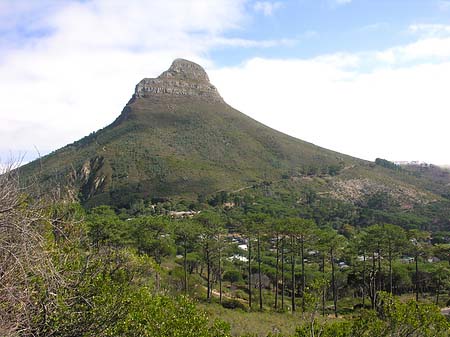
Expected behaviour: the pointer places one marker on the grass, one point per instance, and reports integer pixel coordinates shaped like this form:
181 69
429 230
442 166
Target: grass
261 323
254 322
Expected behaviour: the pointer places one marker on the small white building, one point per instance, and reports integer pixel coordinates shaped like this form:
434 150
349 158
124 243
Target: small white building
237 257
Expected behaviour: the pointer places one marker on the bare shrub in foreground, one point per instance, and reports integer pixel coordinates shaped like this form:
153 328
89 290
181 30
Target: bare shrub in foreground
23 257
52 282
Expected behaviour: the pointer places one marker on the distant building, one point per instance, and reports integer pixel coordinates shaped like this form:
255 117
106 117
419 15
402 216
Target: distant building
243 246
237 257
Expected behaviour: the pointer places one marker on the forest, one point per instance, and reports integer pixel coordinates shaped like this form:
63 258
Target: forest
172 268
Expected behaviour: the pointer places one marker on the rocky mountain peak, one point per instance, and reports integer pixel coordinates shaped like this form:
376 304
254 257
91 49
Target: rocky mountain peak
186 70
183 78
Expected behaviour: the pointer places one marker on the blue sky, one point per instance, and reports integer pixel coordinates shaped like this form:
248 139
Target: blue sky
323 27
365 77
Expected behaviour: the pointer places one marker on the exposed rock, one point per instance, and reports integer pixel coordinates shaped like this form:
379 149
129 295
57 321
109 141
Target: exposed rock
185 70
183 214
356 190
85 171
184 78
93 175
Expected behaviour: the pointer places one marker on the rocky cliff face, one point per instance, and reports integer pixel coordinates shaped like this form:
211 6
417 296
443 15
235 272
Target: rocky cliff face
184 78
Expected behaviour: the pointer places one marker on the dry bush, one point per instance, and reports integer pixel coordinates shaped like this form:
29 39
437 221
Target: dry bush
52 281
24 260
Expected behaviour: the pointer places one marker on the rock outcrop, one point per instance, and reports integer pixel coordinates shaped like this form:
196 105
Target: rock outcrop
184 78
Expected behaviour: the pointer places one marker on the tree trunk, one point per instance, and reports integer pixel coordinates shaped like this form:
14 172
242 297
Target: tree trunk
438 290
276 273
324 289
282 273
333 283
379 278
208 276
364 280
302 251
185 269
249 273
391 278
220 274
259 274
417 278
293 273
373 282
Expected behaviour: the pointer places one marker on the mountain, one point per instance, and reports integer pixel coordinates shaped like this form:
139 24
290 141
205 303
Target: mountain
440 176
178 138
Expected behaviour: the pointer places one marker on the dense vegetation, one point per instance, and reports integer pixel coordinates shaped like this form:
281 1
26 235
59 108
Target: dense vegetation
59 277
140 271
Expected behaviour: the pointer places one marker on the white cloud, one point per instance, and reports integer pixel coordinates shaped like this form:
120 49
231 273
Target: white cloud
431 49
396 113
432 45
430 30
267 7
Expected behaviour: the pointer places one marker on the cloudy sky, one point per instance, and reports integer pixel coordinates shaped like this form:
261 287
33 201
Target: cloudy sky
364 77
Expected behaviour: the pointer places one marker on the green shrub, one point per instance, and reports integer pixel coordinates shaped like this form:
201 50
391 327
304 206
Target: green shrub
392 318
163 316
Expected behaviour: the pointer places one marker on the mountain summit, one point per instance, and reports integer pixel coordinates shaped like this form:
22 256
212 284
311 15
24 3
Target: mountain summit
177 138
184 78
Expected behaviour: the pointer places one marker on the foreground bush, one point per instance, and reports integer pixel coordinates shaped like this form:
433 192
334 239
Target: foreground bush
163 316
392 319
54 282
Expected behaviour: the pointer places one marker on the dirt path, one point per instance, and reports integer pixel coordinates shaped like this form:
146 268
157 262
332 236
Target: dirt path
217 294
226 296
445 311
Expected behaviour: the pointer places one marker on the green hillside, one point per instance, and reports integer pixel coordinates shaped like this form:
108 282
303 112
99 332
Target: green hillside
177 138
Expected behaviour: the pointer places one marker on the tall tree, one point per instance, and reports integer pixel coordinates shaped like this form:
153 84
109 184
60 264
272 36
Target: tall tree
220 235
418 242
104 227
283 240
259 222
373 242
248 229
395 241
293 252
186 235
304 231
359 250
151 236
211 227
322 246
334 243
277 232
